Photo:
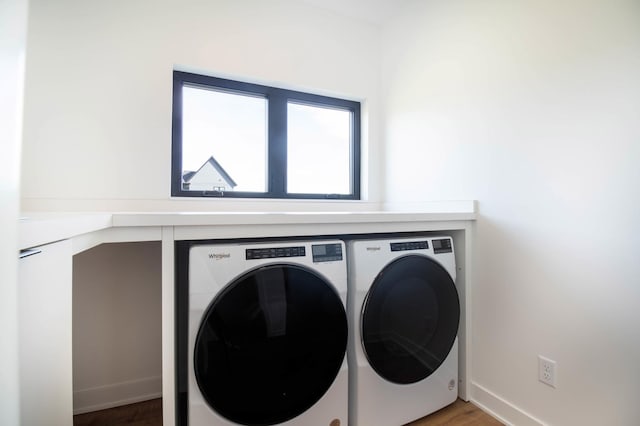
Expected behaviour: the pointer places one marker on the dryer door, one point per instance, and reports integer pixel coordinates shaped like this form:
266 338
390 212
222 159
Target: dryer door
270 345
410 319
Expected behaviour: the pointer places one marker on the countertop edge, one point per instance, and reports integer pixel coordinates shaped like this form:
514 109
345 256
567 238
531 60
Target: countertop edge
43 228
280 218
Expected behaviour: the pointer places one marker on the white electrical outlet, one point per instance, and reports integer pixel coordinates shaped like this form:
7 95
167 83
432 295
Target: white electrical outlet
547 371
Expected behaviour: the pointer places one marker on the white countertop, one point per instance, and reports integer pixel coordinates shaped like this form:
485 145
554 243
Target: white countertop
42 228
279 218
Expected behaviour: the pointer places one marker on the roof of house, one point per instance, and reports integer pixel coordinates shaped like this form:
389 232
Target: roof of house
187 176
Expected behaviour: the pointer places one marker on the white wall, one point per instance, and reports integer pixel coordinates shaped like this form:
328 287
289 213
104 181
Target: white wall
533 109
117 344
13 37
98 90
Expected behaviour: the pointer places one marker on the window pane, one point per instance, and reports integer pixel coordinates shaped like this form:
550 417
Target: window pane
224 141
318 150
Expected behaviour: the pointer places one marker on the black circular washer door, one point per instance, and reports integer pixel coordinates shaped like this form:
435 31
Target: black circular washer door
270 345
410 319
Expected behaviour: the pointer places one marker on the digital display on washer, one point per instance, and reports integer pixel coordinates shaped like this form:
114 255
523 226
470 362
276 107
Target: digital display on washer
326 252
412 245
275 252
442 246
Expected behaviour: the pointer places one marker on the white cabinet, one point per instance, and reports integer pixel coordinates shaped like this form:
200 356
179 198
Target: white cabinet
44 335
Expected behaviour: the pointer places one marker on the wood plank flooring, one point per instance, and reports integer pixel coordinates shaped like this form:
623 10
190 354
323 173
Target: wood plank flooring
459 413
149 413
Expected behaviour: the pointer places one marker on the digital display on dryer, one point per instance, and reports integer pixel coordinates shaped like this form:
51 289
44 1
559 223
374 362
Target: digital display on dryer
442 246
326 252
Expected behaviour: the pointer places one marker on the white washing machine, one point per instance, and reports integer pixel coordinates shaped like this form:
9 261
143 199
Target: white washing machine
404 313
267 335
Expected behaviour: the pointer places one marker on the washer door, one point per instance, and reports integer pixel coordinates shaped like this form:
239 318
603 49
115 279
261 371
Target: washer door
270 345
410 319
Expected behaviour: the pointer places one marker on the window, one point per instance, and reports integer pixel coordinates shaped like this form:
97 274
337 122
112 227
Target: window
235 139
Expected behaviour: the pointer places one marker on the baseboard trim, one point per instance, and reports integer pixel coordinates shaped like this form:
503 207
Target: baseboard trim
500 408
116 394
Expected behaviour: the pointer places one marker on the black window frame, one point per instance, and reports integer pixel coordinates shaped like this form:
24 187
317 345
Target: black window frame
277 100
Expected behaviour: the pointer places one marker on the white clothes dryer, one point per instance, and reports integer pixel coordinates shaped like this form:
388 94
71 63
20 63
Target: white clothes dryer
404 313
267 334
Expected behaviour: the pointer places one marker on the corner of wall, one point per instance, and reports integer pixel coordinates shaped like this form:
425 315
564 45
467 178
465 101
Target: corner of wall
500 408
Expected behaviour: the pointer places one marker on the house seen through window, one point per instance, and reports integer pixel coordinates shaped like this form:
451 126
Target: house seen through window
235 139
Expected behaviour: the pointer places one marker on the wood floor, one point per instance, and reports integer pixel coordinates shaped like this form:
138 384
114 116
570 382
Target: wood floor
459 413
149 413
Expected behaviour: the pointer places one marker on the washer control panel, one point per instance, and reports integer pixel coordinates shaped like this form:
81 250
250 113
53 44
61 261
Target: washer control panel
442 246
275 252
326 252
410 245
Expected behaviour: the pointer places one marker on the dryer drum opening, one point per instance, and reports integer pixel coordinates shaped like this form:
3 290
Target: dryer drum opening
409 320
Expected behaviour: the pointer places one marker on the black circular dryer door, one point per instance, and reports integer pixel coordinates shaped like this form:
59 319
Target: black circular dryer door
270 345
410 319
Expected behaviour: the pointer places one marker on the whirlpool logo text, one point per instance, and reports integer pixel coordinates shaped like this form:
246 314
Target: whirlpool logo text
219 256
